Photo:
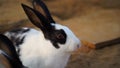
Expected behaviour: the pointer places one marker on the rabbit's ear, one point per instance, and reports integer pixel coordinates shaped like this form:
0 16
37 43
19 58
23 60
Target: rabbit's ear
37 18
8 50
40 6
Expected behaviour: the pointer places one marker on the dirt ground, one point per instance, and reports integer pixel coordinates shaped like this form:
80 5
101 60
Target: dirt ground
91 20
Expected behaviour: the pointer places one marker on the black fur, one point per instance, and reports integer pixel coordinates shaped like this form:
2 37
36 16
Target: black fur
16 36
56 36
13 57
39 20
20 31
41 4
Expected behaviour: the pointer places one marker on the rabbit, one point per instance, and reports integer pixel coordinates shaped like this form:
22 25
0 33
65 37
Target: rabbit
7 49
48 47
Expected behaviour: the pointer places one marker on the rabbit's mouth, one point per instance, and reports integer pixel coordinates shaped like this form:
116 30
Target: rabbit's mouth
71 51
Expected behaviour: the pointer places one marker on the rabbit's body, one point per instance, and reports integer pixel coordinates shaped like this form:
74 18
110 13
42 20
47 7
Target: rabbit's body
37 52
49 47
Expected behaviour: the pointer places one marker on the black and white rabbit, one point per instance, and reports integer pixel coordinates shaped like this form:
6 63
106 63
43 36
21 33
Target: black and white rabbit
7 49
49 47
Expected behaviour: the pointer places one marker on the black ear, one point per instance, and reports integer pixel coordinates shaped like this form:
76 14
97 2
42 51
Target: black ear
8 50
40 6
37 18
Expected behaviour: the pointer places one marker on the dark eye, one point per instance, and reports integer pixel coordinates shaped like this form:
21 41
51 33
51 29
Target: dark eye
60 36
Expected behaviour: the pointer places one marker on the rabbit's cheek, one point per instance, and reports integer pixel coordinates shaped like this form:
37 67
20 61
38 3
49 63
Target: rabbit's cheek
72 48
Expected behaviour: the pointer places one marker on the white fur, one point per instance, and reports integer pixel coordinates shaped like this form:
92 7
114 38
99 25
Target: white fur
37 52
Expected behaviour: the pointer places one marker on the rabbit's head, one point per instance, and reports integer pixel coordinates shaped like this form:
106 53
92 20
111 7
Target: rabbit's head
60 36
7 49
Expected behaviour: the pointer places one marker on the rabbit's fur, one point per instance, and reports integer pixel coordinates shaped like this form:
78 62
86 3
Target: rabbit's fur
49 47
7 49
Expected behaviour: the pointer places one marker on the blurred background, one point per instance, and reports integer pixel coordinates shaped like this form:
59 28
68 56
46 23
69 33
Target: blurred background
91 20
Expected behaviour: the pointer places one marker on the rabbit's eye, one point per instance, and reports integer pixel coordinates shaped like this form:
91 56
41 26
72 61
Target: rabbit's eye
60 36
